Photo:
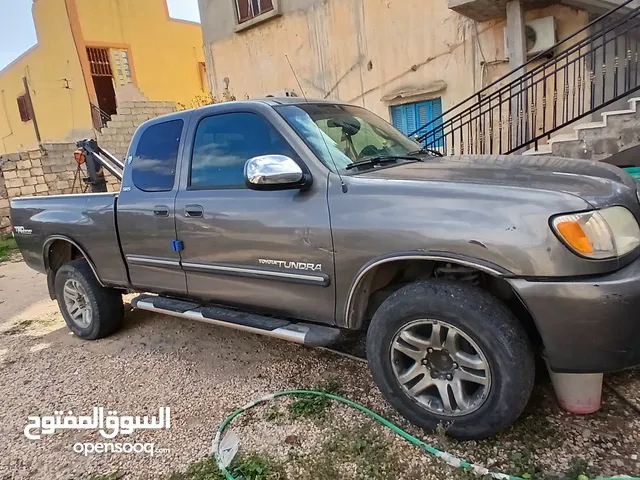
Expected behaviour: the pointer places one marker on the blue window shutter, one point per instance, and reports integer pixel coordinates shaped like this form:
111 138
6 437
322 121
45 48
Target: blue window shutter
423 113
397 117
436 105
412 117
409 117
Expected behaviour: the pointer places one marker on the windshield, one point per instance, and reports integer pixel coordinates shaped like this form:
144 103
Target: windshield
343 134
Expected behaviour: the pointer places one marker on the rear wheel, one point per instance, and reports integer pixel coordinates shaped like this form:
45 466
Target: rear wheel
90 310
452 354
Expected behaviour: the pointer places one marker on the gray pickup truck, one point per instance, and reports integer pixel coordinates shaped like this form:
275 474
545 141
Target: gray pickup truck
305 220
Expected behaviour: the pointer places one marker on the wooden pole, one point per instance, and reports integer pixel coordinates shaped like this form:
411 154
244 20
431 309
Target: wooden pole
30 107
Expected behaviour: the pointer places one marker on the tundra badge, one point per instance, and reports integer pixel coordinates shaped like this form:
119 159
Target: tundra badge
292 265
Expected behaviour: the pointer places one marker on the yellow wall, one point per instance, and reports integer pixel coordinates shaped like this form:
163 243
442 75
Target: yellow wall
164 57
165 52
61 112
361 52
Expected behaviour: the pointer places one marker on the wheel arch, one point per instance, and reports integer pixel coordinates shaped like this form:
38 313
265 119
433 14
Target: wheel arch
383 273
58 250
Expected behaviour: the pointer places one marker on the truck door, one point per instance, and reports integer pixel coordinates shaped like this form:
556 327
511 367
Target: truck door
267 251
146 207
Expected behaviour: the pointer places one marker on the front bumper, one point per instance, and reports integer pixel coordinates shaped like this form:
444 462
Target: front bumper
590 325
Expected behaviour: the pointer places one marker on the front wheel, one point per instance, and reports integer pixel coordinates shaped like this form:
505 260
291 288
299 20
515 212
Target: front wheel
90 310
452 354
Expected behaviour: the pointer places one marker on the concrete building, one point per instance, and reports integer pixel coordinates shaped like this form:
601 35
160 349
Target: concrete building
89 56
405 60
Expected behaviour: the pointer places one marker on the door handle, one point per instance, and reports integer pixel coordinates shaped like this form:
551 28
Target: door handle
161 211
193 211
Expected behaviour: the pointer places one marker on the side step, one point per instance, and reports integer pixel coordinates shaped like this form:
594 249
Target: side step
307 334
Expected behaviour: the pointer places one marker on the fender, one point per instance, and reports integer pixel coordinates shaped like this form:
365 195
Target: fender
53 238
482 265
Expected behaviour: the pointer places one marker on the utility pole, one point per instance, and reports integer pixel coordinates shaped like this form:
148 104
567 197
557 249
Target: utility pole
30 107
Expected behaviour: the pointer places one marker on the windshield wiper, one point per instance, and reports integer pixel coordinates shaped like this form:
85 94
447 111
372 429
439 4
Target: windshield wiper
372 161
428 151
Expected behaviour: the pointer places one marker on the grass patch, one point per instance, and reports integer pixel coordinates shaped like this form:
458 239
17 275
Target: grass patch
314 405
274 414
256 467
113 476
579 470
523 464
20 327
8 247
365 448
205 469
251 467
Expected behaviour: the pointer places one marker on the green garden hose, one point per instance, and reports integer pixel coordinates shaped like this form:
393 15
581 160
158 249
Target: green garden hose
447 457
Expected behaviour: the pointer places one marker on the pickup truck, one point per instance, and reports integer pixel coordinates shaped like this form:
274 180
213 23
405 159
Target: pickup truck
303 220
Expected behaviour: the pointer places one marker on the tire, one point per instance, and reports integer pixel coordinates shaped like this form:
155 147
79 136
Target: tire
483 323
105 304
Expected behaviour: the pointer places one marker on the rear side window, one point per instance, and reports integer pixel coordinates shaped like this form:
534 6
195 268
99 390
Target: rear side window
225 142
154 163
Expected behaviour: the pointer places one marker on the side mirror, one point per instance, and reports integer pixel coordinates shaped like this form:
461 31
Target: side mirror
274 172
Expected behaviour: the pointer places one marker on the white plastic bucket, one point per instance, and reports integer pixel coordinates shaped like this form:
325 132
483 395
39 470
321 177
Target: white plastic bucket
577 393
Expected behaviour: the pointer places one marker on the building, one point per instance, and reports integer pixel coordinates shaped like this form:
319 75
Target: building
407 61
89 56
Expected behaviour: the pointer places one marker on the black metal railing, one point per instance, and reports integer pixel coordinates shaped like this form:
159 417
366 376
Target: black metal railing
593 68
100 117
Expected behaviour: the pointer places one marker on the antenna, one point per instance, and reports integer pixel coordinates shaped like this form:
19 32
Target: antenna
344 185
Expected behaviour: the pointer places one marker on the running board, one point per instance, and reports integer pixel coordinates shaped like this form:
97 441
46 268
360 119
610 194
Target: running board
308 334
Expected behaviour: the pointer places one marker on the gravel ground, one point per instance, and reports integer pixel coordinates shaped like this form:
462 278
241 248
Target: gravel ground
204 372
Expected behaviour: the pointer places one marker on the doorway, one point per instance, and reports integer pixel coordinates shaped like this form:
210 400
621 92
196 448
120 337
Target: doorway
102 76
106 94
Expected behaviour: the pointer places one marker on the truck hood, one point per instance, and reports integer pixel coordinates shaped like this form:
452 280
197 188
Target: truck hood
595 182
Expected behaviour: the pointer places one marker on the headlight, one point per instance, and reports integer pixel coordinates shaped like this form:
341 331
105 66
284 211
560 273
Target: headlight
607 233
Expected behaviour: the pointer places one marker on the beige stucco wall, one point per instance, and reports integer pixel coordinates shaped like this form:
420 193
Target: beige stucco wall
361 51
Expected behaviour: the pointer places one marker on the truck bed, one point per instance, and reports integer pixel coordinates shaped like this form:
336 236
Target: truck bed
88 220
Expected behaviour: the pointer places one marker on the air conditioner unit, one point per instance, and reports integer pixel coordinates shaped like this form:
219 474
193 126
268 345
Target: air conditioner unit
540 35
282 93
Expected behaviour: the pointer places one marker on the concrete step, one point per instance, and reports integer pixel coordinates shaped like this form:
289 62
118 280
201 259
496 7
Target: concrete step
590 125
544 149
563 137
633 102
617 112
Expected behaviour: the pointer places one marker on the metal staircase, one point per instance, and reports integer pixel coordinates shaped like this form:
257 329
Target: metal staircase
595 67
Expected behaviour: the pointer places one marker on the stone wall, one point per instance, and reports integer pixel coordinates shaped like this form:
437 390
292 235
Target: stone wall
4 206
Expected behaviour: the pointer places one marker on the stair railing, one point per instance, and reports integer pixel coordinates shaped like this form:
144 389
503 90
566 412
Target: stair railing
594 67
100 117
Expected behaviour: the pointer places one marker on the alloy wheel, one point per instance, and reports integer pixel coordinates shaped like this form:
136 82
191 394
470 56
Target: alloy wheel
440 367
77 302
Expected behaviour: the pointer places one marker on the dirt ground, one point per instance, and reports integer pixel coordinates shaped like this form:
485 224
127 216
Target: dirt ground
203 373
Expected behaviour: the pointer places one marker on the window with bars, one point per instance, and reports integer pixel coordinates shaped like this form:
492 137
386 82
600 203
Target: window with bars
23 108
248 9
99 62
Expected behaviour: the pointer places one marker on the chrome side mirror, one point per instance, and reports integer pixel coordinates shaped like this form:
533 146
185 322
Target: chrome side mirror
274 172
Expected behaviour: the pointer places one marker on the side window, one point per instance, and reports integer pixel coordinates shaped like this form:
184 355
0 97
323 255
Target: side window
225 142
154 163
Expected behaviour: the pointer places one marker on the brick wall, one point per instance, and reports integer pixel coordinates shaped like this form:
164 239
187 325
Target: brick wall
51 170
